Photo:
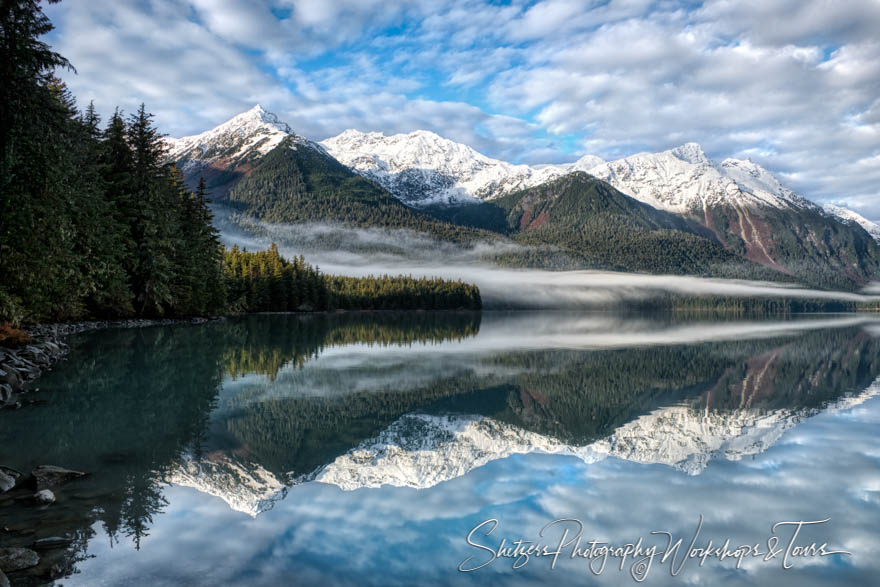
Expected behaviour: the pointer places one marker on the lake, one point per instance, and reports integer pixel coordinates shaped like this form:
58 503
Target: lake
378 448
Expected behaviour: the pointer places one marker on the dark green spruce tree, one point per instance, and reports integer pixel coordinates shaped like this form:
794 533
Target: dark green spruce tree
36 248
155 232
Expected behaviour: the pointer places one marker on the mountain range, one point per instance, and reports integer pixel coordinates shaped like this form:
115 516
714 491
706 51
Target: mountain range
670 212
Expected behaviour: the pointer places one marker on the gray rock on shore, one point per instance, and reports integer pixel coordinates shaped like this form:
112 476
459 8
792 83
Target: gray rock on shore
44 497
20 365
16 559
7 482
8 478
47 476
9 376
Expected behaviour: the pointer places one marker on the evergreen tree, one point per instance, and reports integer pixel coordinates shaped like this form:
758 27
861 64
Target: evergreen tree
157 194
115 166
99 234
35 248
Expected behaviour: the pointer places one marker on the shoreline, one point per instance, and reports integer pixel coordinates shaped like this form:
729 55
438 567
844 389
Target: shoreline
62 329
19 366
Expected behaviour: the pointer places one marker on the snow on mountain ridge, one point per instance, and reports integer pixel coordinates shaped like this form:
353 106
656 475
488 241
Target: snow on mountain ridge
683 180
260 115
692 153
423 168
585 163
847 215
755 179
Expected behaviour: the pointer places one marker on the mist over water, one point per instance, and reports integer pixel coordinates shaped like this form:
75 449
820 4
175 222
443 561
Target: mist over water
358 252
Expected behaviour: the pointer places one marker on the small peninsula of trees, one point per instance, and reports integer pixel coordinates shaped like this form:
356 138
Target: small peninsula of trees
266 282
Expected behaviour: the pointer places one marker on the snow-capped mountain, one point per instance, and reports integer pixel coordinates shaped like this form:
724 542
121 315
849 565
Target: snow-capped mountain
421 168
250 134
234 146
740 205
748 211
684 181
847 215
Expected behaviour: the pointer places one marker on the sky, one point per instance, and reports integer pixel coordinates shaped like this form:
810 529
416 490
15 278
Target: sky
791 84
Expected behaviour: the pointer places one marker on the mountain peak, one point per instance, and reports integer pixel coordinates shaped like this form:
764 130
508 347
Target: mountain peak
691 153
353 132
427 134
245 136
587 162
257 115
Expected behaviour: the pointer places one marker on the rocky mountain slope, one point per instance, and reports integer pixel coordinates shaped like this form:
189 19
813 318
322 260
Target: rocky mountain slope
740 204
607 229
751 213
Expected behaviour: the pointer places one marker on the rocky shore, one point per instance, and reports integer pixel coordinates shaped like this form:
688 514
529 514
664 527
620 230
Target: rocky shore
18 366
43 512
26 552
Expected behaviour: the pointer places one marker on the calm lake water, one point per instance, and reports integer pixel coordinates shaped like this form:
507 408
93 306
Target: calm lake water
362 449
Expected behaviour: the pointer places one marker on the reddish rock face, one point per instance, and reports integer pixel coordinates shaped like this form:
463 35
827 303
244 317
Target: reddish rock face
802 243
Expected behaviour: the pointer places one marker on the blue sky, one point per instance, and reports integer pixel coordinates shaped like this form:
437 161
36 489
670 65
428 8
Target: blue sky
792 84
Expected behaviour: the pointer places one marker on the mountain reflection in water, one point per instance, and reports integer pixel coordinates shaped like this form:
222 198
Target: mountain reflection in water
246 409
